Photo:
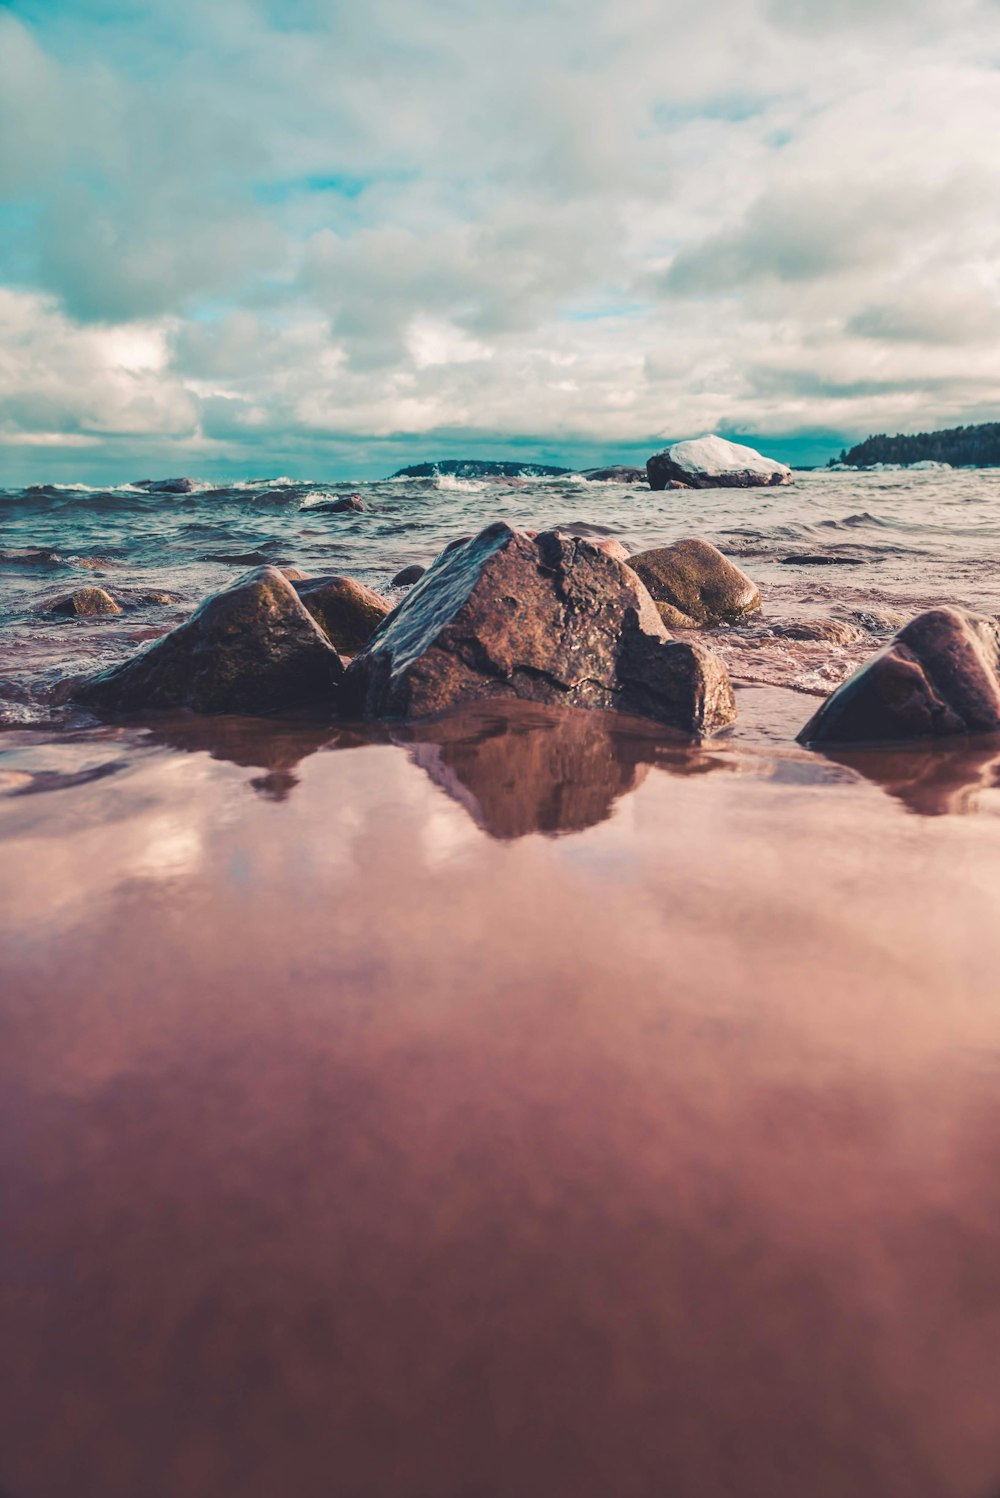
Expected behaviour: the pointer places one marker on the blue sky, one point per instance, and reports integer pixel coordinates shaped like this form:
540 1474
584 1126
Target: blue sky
325 238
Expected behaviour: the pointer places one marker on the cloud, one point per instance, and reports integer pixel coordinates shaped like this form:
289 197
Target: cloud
580 223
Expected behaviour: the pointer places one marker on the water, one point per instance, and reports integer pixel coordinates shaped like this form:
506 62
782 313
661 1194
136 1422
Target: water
893 543
527 1102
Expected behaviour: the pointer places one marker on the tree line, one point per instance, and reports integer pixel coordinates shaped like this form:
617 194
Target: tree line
962 447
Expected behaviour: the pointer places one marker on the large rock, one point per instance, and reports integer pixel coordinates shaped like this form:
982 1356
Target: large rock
711 463
696 583
549 619
939 676
347 612
253 648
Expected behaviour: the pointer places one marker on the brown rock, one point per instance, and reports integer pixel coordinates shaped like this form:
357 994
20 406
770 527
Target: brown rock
347 612
84 603
294 574
253 648
828 631
939 676
408 575
696 580
546 619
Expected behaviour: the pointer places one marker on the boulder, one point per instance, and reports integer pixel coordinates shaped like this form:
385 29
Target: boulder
547 619
408 575
940 675
695 583
253 648
712 463
617 474
84 603
347 612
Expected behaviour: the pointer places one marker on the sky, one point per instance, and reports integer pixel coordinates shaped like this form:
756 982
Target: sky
327 237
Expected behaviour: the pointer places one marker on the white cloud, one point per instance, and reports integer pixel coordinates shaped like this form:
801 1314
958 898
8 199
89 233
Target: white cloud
244 225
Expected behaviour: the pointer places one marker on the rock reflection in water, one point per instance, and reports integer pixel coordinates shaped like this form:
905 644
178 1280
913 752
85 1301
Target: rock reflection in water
932 780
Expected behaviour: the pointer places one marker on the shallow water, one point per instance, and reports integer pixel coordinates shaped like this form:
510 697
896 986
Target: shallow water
892 543
523 1105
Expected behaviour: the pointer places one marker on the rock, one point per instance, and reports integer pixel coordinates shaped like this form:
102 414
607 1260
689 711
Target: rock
458 541
339 506
84 603
617 474
940 675
821 559
711 463
166 486
252 648
476 468
240 558
695 581
408 575
294 574
347 612
828 631
547 619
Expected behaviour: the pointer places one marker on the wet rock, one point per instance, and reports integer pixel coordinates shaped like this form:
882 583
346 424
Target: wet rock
352 502
828 631
240 558
821 559
618 473
409 575
696 583
478 468
166 486
347 612
252 648
84 603
939 676
294 574
546 619
712 463
458 541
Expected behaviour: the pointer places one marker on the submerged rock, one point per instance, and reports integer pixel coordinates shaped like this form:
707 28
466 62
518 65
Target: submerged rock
478 468
545 619
939 676
166 486
695 583
253 648
618 473
828 631
84 603
409 575
712 462
346 502
347 612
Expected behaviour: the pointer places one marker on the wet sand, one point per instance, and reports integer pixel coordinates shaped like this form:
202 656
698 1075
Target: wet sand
524 1106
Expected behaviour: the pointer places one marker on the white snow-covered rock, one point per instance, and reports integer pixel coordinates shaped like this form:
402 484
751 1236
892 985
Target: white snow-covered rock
712 462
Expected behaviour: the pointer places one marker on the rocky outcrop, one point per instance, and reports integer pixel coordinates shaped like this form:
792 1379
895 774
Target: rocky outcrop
345 503
479 468
347 612
545 619
695 584
166 486
407 576
940 675
84 603
618 473
253 648
713 463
